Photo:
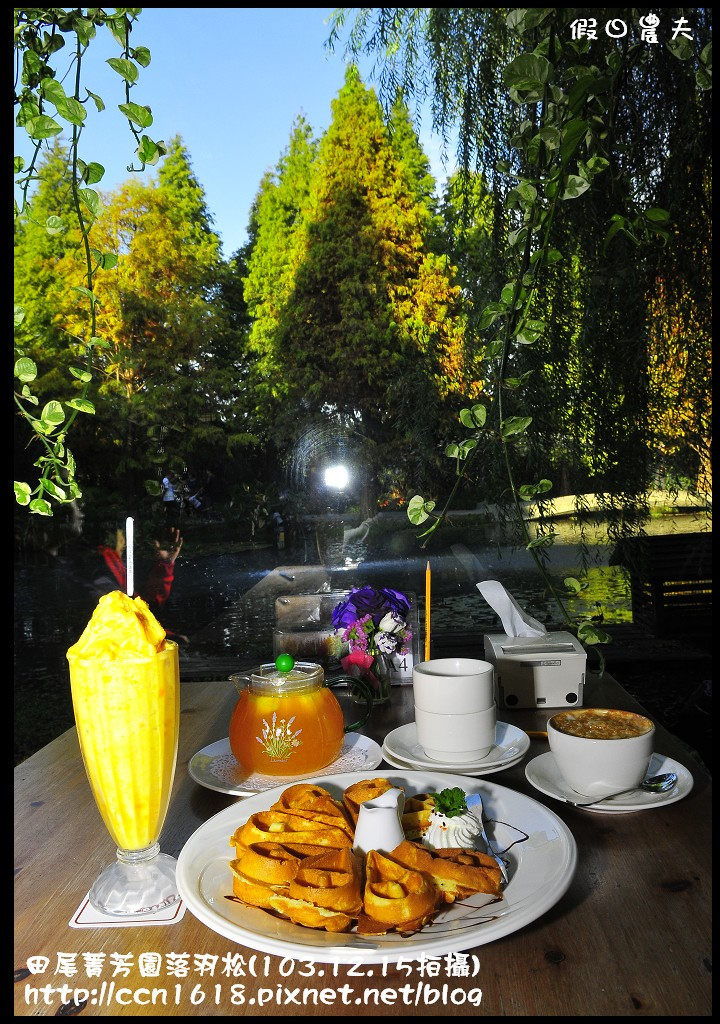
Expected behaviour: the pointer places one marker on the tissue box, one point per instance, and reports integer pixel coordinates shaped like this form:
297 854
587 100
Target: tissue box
534 672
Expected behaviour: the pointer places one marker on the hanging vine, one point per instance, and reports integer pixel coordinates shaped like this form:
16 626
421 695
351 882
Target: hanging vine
40 35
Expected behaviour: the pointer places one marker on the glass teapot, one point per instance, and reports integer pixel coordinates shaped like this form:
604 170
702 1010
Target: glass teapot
287 720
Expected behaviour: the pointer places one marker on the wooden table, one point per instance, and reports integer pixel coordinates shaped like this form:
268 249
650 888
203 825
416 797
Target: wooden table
631 936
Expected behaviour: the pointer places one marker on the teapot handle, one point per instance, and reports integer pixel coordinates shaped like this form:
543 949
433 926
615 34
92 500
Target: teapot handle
365 692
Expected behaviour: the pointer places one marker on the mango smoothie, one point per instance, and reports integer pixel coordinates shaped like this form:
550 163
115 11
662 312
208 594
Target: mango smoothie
125 682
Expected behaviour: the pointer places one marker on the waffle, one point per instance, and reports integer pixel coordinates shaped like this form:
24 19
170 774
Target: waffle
361 792
285 828
396 898
456 873
330 880
416 815
296 861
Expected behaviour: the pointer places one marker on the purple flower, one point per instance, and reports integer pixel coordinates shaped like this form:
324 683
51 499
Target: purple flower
373 601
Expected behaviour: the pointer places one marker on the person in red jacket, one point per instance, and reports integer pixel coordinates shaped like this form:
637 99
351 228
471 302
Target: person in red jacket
162 573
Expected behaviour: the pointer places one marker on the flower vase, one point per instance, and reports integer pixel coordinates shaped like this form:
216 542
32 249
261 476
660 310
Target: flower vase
377 673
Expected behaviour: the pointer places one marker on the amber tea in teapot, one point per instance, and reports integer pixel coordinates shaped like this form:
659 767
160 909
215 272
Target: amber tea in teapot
287 721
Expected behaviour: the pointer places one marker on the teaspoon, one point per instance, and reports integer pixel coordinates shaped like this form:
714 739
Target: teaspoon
655 784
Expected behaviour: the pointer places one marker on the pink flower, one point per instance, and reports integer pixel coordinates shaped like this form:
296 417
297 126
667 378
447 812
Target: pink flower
359 658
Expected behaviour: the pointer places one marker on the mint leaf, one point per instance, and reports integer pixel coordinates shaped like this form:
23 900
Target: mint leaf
450 802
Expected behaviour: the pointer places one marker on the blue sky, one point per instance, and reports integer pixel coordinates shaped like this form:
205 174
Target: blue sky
229 81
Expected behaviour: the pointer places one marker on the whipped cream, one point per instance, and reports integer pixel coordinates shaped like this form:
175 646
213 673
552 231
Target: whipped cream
458 831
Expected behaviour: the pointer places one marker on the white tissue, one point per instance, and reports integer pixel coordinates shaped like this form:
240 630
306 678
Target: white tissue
515 621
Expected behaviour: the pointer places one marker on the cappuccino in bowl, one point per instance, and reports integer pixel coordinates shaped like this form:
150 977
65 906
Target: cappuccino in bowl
602 724
601 751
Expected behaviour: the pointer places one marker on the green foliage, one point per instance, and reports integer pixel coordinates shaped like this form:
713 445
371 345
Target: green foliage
573 138
450 802
67 208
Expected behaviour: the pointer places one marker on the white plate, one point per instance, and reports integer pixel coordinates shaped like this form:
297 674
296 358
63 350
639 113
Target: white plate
510 744
543 773
541 868
397 762
216 768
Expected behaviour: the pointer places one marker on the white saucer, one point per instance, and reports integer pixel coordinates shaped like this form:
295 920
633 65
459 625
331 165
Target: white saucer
216 768
543 773
458 769
510 745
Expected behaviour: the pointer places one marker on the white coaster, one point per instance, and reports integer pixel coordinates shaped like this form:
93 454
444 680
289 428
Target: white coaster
86 916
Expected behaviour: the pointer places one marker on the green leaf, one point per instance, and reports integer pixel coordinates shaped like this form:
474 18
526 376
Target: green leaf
55 225
573 134
575 186
682 48
43 127
529 491
54 491
97 100
125 68
514 425
53 413
657 215
142 55
82 375
40 507
473 418
153 488
452 451
26 394
92 200
147 151
703 79
18 164
22 493
450 802
527 72
18 315
81 404
25 369
418 509
52 90
72 110
588 633
93 173
119 29
551 137
572 584
85 30
490 314
546 541
141 116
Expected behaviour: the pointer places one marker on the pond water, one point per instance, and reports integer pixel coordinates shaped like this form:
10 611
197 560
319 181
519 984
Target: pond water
215 575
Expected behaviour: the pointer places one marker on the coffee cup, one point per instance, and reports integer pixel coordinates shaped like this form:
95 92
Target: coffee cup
453 686
601 751
456 739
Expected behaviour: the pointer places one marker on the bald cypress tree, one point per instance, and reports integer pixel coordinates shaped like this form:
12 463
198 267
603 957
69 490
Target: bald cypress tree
367 333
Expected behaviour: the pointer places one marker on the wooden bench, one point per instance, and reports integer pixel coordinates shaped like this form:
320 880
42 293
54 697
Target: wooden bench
670 581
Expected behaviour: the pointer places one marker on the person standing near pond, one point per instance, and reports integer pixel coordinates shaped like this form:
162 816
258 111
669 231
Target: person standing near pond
168 494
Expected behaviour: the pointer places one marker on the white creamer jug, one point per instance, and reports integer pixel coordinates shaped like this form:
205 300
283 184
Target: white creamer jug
379 824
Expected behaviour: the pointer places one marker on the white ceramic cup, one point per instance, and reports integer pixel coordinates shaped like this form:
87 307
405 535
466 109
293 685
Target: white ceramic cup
453 685
601 751
456 739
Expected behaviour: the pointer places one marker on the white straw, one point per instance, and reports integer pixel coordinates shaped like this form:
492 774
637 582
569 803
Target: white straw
129 562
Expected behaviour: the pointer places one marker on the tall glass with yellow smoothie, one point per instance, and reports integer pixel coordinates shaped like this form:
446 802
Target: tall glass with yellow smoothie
125 682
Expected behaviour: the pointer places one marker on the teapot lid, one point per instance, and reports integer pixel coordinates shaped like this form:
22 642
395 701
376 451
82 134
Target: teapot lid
287 676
